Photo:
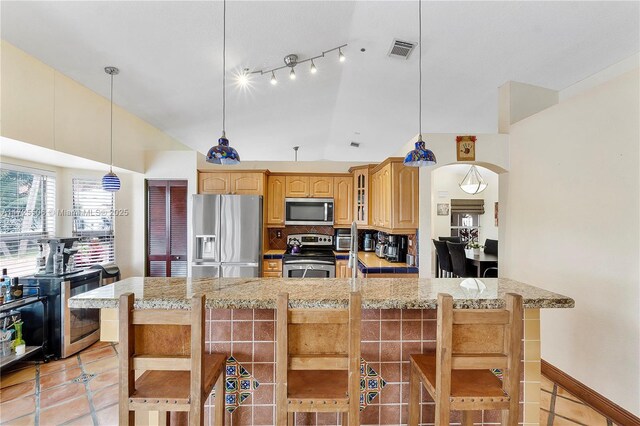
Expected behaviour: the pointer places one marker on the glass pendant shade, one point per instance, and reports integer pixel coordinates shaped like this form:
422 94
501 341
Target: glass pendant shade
420 156
223 153
473 182
110 182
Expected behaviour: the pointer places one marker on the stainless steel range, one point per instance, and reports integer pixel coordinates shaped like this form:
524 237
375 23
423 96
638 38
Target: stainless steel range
309 256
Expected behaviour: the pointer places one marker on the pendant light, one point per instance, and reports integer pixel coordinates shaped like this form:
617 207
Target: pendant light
420 156
223 153
110 181
472 183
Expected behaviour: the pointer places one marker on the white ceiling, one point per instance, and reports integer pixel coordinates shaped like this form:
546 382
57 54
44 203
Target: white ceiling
169 53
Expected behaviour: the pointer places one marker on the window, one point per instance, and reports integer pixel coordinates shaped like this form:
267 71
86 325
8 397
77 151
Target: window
27 213
93 222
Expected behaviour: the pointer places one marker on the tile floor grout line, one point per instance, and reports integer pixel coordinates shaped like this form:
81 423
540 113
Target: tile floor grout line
89 393
36 418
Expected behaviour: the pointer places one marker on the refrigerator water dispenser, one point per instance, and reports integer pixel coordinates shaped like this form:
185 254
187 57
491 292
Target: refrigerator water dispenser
205 247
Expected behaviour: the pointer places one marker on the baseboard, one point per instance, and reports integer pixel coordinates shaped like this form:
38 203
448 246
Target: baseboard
584 393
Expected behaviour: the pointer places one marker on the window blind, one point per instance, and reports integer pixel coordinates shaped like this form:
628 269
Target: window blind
27 213
93 222
467 205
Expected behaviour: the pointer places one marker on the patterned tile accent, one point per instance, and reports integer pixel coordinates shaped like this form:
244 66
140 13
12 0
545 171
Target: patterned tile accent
276 243
370 384
239 385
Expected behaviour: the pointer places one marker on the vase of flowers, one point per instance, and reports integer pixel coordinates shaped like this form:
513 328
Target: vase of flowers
474 247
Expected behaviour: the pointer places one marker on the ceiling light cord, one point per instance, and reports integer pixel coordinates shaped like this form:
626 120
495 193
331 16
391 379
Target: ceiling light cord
420 69
111 124
224 65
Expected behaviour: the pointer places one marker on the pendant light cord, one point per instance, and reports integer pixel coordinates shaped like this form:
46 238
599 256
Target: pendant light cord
224 63
420 68
111 159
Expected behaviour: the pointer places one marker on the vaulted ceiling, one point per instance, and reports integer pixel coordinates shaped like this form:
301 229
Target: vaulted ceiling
169 53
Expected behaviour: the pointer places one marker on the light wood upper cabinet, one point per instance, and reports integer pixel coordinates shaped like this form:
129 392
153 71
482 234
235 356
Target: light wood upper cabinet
275 200
321 186
394 197
343 200
247 183
214 183
297 186
236 183
406 196
361 195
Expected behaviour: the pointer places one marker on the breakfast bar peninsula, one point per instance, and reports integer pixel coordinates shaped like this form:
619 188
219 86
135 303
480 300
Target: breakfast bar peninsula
398 319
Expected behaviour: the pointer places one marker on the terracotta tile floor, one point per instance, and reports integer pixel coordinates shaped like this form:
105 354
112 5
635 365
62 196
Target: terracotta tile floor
82 390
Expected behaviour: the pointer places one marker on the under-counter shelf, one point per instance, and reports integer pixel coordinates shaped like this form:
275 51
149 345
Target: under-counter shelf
8 360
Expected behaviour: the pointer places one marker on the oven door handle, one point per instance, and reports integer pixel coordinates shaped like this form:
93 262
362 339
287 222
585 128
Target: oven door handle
307 262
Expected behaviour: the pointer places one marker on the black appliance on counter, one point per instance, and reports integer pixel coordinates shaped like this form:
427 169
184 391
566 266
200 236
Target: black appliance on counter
69 329
309 256
396 248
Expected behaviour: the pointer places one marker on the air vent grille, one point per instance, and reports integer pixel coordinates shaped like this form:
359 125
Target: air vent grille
355 144
401 49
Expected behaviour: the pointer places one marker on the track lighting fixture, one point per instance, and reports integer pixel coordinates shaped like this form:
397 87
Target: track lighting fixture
292 60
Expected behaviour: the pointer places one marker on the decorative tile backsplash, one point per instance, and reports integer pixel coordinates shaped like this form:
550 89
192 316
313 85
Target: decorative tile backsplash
280 243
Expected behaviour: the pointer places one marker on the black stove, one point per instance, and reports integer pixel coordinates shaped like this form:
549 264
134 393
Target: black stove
309 256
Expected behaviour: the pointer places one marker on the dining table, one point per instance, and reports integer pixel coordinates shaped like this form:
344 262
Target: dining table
482 261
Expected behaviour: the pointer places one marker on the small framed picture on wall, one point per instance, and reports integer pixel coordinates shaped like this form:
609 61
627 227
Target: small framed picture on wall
443 209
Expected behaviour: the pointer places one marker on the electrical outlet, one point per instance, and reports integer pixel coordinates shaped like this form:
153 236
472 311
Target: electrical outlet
278 234
410 242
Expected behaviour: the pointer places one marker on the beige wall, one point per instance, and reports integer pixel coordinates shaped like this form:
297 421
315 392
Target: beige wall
43 107
129 229
572 226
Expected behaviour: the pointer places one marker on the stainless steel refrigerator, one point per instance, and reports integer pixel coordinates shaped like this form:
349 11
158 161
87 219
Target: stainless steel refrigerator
227 236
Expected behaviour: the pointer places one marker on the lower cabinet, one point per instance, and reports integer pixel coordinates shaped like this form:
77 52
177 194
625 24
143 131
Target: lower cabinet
342 269
272 268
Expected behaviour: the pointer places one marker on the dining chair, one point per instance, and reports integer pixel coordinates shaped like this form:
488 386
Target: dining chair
491 246
167 346
318 361
458 376
444 259
491 272
451 239
458 259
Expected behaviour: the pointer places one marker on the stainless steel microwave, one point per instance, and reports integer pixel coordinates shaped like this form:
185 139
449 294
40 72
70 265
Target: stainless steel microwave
308 211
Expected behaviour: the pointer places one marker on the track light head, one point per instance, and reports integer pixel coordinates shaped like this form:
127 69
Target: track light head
274 80
313 68
292 74
341 56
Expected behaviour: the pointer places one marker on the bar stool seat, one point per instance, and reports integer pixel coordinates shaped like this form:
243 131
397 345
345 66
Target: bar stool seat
174 387
466 385
319 385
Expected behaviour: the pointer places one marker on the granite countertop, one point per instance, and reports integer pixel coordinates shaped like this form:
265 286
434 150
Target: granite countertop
261 293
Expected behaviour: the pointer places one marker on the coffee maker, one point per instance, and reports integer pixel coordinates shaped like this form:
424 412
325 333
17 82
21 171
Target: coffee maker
396 248
61 250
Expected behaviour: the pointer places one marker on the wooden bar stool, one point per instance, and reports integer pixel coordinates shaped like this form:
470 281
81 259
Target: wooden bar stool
457 375
167 348
318 361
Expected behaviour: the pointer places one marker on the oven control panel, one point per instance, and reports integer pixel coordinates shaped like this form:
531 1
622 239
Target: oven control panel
310 239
